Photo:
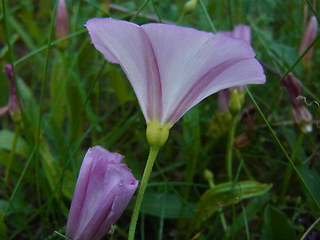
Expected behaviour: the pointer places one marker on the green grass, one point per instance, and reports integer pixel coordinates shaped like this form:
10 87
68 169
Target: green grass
72 99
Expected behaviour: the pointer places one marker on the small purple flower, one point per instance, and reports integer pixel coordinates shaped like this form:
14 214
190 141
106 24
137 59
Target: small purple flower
308 37
301 114
172 68
13 105
104 188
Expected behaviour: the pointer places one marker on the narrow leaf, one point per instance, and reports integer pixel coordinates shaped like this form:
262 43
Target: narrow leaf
226 194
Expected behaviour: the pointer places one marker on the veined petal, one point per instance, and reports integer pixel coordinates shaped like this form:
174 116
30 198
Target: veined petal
195 64
234 74
172 68
98 207
126 189
103 190
126 43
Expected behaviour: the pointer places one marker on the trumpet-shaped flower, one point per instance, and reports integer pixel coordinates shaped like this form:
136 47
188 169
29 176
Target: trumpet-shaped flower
173 68
104 188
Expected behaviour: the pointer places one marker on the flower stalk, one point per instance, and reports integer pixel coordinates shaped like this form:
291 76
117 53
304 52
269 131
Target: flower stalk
143 186
289 169
229 150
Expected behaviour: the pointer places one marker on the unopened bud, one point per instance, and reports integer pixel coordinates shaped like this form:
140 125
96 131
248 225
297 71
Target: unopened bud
308 37
236 100
301 114
13 105
242 32
62 23
223 100
208 175
190 6
303 118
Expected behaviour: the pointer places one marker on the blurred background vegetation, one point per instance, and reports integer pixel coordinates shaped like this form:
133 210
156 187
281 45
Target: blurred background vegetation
72 99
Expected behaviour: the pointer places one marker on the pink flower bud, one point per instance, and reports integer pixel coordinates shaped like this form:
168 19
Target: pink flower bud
13 105
104 188
301 114
241 31
62 23
223 100
308 37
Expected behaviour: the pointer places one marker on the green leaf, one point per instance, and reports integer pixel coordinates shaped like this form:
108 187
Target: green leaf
53 172
58 91
75 106
22 33
312 179
192 142
277 225
16 165
68 184
164 205
252 209
226 194
3 230
6 138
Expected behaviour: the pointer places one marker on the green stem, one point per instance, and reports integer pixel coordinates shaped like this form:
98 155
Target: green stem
13 148
206 14
288 173
143 185
180 18
229 149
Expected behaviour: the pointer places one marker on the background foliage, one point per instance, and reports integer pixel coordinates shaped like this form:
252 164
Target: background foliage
72 99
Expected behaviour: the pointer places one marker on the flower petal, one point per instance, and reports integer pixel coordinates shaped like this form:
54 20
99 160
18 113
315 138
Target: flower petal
126 189
195 64
126 43
97 192
172 68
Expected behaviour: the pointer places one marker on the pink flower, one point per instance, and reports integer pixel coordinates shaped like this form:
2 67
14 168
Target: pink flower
308 37
173 68
13 105
301 114
104 188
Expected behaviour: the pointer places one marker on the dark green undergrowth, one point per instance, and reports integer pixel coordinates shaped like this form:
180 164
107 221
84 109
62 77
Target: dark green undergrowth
72 99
